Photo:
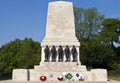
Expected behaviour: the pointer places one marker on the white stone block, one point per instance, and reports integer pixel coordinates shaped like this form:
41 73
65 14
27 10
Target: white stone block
87 75
99 74
20 75
34 75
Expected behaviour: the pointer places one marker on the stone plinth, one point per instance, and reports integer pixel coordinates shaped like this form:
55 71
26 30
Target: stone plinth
20 75
57 69
60 67
99 74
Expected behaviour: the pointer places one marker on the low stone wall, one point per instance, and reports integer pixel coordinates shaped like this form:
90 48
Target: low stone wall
33 75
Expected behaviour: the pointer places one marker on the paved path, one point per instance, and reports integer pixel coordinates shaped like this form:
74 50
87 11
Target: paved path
9 81
112 81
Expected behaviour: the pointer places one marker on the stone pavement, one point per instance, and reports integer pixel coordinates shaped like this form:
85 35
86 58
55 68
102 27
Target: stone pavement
9 81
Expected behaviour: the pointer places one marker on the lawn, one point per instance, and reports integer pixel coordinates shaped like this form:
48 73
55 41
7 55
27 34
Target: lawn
115 78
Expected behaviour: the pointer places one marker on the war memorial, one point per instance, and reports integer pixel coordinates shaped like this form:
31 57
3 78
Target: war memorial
60 51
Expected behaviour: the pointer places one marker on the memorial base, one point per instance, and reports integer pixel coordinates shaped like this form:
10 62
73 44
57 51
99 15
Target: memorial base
66 71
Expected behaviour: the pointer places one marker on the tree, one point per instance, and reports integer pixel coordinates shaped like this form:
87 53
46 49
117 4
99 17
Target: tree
110 32
96 55
19 54
87 23
96 36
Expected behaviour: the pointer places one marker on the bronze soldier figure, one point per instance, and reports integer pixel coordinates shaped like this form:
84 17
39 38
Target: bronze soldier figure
60 52
54 53
67 53
74 53
47 53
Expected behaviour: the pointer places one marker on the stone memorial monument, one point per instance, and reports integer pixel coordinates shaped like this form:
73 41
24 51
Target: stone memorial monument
60 51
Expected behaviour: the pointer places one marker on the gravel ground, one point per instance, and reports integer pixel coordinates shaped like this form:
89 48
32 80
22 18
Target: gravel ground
9 81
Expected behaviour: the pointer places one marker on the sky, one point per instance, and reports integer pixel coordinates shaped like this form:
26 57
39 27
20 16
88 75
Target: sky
27 18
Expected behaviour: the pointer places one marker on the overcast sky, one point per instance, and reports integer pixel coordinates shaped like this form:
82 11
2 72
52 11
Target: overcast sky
27 18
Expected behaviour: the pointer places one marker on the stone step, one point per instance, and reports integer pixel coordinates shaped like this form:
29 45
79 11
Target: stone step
80 68
60 66
61 63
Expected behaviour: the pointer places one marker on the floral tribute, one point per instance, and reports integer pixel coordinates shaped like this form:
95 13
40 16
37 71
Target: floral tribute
77 74
68 76
60 78
43 78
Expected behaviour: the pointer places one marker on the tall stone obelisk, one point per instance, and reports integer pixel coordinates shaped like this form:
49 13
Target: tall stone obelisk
60 27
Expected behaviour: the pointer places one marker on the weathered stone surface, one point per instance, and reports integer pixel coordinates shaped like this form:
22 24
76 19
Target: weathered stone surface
60 66
60 23
87 75
99 74
20 75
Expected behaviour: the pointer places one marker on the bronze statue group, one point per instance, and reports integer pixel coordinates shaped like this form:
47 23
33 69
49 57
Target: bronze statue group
60 52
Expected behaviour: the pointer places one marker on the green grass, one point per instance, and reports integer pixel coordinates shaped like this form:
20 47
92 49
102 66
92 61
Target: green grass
115 78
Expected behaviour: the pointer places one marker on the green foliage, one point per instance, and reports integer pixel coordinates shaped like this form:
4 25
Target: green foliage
114 74
117 58
115 68
19 54
87 23
111 31
96 55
